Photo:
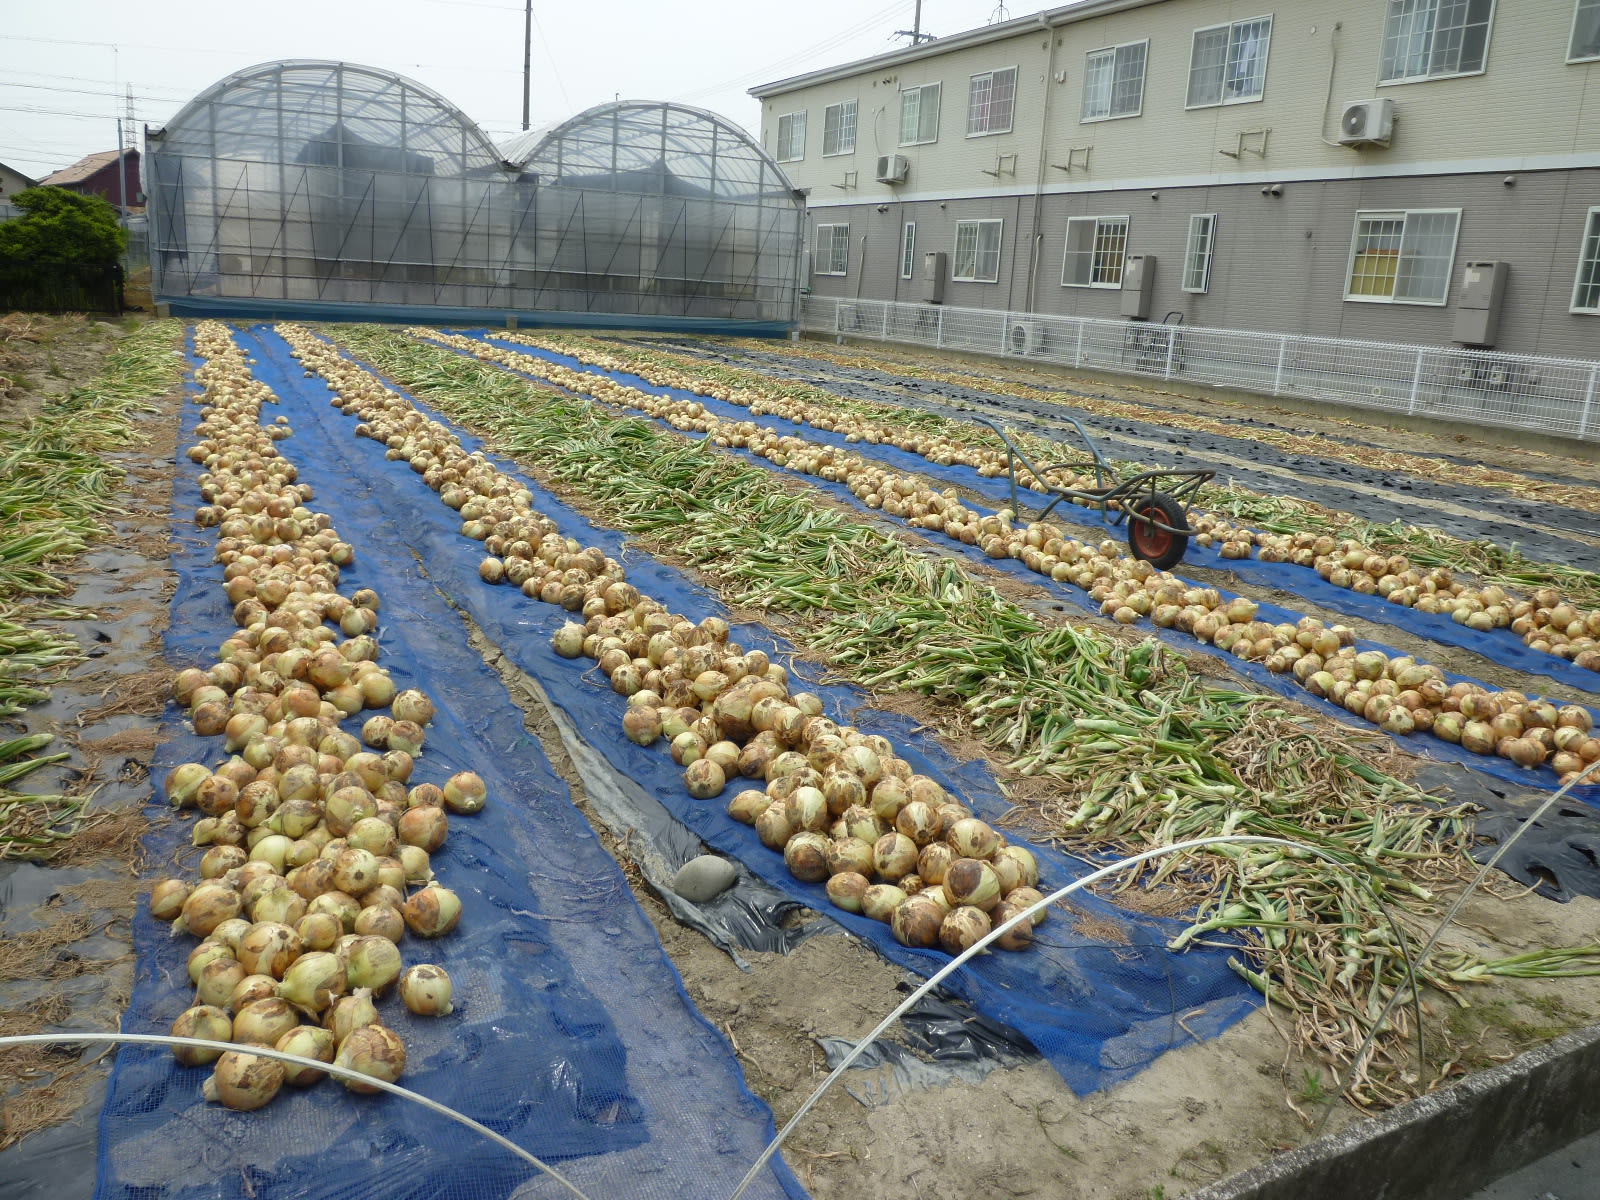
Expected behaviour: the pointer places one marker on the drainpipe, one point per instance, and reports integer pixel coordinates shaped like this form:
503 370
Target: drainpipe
1038 187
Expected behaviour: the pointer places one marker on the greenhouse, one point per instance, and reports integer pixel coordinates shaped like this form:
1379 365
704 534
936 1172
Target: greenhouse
344 191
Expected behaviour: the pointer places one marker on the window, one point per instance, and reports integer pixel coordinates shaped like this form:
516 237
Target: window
1228 64
792 137
833 250
990 99
839 128
1426 39
1586 291
919 115
1113 82
1096 247
1197 254
1403 257
1585 32
908 249
977 258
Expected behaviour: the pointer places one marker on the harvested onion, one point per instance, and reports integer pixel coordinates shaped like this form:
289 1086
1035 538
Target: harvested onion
425 989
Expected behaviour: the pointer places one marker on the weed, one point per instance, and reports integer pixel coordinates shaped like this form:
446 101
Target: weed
1311 1089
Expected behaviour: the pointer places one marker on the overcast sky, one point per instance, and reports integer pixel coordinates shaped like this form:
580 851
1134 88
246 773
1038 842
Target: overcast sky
65 64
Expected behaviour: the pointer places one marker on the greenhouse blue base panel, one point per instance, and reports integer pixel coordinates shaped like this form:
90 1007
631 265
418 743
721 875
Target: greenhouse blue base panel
250 308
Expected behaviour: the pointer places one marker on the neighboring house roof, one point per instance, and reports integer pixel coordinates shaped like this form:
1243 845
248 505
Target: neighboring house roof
27 179
83 169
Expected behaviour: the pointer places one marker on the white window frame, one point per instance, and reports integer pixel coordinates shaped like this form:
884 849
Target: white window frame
908 249
836 261
1233 28
979 227
839 120
988 78
1096 225
795 153
1592 7
1588 257
1405 216
1116 53
921 93
1198 252
1397 12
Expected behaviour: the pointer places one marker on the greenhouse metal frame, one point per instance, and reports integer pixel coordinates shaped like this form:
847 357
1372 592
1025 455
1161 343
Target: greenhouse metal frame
326 189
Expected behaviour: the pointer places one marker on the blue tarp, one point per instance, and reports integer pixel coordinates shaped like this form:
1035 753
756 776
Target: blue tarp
1501 645
572 1034
1098 1012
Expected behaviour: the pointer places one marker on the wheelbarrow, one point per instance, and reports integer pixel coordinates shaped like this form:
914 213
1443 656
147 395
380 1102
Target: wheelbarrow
1154 503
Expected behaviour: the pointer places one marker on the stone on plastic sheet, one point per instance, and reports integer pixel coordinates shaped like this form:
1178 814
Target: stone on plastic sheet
704 878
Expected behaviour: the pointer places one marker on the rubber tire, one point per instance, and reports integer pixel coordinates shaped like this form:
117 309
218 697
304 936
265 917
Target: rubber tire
1156 546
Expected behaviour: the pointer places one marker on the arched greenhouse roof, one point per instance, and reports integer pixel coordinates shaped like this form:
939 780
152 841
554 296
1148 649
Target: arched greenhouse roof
330 114
654 147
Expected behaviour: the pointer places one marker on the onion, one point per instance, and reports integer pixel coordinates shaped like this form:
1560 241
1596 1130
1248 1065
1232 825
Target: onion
414 865
244 1081
425 990
167 899
1019 937
308 1041
372 1050
183 781
963 929
374 963
806 856
405 736
342 906
204 1021
972 838
748 805
264 1021
808 809
432 912
313 981
568 640
880 900
861 822
206 952
277 904
350 1013
217 980
894 855
250 989
1026 897
208 906
1027 864
846 890
269 949
704 778
850 854
916 921
355 871
425 828
230 932
972 881
1476 736
465 792
381 920
919 821
934 862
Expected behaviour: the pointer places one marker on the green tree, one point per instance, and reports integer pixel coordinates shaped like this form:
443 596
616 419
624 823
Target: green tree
62 226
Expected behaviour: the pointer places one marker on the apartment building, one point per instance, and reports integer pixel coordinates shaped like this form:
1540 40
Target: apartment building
1401 170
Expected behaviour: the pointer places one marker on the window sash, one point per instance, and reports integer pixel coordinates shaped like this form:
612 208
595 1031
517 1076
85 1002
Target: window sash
1228 63
991 102
908 249
1095 252
791 137
1403 257
1428 39
977 254
1585 41
919 115
1197 253
832 255
839 128
1113 82
1586 288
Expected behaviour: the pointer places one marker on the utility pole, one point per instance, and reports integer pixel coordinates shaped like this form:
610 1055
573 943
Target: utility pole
527 60
915 32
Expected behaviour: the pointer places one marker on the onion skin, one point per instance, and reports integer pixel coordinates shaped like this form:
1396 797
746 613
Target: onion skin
464 792
350 1013
432 912
373 1050
972 881
916 922
264 1021
314 981
167 899
963 929
244 1081
205 1021
308 1041
425 990
846 890
806 856
1018 938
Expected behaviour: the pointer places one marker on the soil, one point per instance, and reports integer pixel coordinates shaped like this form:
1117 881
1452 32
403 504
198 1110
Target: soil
1199 1113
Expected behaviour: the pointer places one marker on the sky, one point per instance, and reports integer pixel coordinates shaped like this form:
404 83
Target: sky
65 65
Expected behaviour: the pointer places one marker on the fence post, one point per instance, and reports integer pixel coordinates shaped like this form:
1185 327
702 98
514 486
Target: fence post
1588 400
1172 342
938 337
1277 374
883 336
1416 382
1078 358
1005 329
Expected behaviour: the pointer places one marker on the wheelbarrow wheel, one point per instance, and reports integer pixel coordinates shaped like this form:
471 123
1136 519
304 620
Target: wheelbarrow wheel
1160 548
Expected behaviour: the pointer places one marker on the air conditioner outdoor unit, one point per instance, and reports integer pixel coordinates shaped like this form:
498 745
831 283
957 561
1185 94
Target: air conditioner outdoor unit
893 168
1366 123
1025 337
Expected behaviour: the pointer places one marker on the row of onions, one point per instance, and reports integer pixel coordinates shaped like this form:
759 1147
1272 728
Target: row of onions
314 837
56 489
1398 694
1543 618
1123 734
840 805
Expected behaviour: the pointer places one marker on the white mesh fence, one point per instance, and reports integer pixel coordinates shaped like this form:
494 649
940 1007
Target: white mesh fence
1559 396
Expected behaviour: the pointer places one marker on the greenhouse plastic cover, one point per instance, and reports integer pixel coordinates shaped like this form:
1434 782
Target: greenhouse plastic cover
571 1034
1500 645
1098 1012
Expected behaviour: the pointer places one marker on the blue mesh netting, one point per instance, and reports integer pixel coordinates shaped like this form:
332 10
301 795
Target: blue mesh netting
572 1034
1499 645
1098 1010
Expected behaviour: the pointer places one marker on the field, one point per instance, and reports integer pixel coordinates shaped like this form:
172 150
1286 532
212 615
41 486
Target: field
400 628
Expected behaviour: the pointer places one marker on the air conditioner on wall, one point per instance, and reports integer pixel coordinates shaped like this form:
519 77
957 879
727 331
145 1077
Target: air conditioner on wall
1366 123
893 168
1025 337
